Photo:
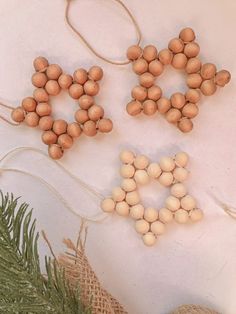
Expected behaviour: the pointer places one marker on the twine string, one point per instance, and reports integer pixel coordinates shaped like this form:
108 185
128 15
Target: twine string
230 210
6 119
89 46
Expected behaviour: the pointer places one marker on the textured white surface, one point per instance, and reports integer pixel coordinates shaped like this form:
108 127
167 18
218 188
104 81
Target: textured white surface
190 264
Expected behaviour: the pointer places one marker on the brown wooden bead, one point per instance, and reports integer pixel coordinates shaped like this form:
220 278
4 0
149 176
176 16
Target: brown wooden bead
91 88
222 78
149 53
177 100
149 107
190 110
193 65
80 76
59 126
191 50
55 151
156 67
29 104
146 79
74 129
65 81
40 95
39 79
32 119
173 115
176 45
194 80
193 96
85 102
139 93
208 87
43 109
53 71
134 107
187 34
154 92
18 114
95 112
52 87
45 123
179 61
134 52
65 141
163 105
95 73
81 116
105 125
165 56
49 137
140 66
76 91
185 125
40 64
89 128
208 71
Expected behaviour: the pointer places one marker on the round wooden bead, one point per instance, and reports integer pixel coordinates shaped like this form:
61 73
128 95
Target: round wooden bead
185 125
40 95
181 216
141 162
150 214
193 96
165 215
105 125
180 174
139 93
165 56
74 130
194 80
154 170
158 227
172 203
191 50
137 211
173 115
208 87
134 108
196 215
190 110
222 77
39 79
140 66
59 126
177 100
181 159
81 116
156 67
65 141
76 91
176 45
134 52
43 109
128 185
146 79
118 194
208 71
85 102
179 61
95 73
154 93
166 178
142 226
53 71
18 114
108 205
193 65
149 107
90 128
188 202
167 164
149 53
55 151
163 105
187 34
40 64
127 171
65 81
141 177
178 190
45 123
49 137
91 88
32 119
127 157
122 208
149 239
80 76
132 198
95 112
29 104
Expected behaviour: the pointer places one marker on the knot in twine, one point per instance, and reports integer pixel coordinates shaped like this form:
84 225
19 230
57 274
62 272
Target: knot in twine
193 309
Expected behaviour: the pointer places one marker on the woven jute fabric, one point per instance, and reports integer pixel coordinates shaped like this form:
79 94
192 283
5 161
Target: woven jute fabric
193 309
79 273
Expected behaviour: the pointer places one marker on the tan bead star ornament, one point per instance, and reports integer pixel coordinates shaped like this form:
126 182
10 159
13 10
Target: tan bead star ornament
151 222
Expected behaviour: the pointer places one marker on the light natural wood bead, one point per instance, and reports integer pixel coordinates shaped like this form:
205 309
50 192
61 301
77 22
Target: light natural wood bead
154 93
49 137
208 87
122 208
76 91
178 190
137 211
193 96
176 45
139 93
108 205
141 162
141 177
53 71
43 109
127 157
158 228
140 66
188 202
134 52
193 65
127 171
118 194
194 80
89 128
81 116
187 34
172 203
165 56
156 67
65 81
165 215
154 170
105 125
181 159
132 198
166 179
196 215
190 110
180 174
65 141
149 107
55 151
73 129
191 50
18 114
150 214
173 115
86 101
128 185
80 76
149 53
146 79
185 125
179 61
181 216
167 164
45 123
149 239
208 71
222 78
163 105
142 226
32 119
40 64
29 104
134 108
59 126
40 95
177 100
95 112
91 88
39 79
95 73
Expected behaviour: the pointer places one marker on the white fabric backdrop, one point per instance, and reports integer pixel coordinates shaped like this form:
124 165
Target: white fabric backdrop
190 264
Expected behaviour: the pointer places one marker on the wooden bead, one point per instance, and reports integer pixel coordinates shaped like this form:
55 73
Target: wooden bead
193 96
43 109
150 214
163 105
105 125
32 119
180 174
141 162
167 164
208 71
127 171
190 110
149 239
80 76
95 112
187 35
76 91
45 123
185 125
137 211
178 190
118 194
177 100
139 93
108 205
156 67
53 71
74 130
55 151
141 177
95 73
40 64
165 215
181 216
188 202
91 88
154 93
165 56
140 66
90 128
194 80
154 170
142 226
134 52
39 79
122 208
65 81
81 116
146 79
149 53
134 108
85 102
18 114
132 198
49 137
29 104
65 141
222 78
127 157
166 179
181 159
193 65
173 115
191 50
196 215
172 203
128 185
158 228
59 126
208 87
176 45
179 61
149 107
40 95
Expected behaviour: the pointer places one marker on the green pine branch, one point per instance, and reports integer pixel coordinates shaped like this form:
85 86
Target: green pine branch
23 288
